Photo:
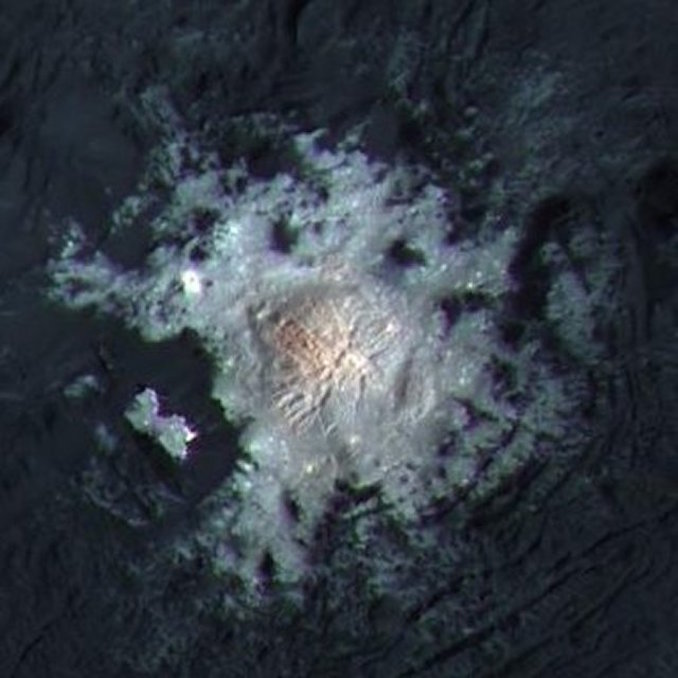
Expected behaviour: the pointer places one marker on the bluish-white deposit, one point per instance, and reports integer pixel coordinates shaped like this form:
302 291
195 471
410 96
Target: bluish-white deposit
419 384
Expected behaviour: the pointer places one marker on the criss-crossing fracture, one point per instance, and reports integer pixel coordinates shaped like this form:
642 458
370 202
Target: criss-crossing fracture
325 353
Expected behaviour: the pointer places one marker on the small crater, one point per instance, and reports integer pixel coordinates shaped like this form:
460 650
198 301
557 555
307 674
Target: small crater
283 237
203 219
452 306
504 377
292 508
405 255
266 571
198 254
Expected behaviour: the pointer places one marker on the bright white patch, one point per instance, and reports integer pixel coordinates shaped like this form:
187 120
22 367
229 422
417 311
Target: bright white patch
171 432
330 356
191 282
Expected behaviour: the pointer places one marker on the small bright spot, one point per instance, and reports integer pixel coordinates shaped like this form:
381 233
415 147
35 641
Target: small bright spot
191 282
